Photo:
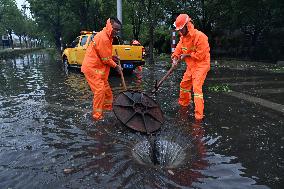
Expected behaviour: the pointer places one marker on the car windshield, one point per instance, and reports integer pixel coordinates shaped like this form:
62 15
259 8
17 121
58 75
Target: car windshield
83 40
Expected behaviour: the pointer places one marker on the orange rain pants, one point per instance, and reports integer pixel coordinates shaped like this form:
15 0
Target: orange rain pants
195 43
96 67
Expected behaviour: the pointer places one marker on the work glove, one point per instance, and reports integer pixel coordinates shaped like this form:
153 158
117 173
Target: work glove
183 56
175 62
115 59
118 68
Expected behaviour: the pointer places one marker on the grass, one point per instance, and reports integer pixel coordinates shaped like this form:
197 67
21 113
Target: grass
264 66
163 57
279 69
220 88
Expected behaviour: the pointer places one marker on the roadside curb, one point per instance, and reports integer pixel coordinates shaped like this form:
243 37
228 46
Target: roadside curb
10 53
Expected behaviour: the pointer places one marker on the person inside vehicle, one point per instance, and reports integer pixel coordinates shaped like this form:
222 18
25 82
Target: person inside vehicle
135 42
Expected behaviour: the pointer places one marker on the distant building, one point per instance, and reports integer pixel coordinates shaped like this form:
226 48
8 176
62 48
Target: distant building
5 41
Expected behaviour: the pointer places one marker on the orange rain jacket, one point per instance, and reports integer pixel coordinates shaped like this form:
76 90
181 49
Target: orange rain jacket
98 57
196 44
96 67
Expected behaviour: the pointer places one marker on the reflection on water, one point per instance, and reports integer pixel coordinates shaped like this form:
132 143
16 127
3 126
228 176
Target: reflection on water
46 128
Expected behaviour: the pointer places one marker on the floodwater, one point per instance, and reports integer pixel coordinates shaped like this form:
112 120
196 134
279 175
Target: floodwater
49 140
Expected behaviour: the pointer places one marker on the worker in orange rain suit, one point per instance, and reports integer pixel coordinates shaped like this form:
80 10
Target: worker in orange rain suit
193 48
96 67
137 43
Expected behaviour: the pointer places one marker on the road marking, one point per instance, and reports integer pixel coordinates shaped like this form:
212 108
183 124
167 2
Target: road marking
270 91
235 78
255 83
260 101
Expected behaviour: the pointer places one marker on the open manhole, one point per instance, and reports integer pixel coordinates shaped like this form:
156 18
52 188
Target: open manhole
165 153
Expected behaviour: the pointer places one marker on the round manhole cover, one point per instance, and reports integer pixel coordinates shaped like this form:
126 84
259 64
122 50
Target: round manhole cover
138 111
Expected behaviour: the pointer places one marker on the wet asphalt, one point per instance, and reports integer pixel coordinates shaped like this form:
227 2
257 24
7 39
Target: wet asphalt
49 140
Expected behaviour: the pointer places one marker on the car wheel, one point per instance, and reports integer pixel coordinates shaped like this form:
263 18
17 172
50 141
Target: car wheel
127 71
65 62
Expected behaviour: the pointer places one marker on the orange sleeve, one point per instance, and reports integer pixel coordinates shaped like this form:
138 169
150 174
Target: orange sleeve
104 49
202 48
178 50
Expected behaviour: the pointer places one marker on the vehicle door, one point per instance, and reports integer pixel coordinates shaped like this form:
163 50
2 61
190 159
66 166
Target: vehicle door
73 50
81 50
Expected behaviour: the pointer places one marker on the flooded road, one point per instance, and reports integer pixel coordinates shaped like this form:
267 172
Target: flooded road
49 140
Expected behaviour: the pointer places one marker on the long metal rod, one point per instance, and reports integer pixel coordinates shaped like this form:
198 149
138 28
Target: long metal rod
163 79
121 73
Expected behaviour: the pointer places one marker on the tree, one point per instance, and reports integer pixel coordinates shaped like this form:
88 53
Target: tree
51 16
10 18
81 8
135 15
154 16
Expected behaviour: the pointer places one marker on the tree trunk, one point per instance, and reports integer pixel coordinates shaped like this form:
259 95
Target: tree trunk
57 30
203 22
11 39
83 17
57 38
136 24
87 15
26 42
20 39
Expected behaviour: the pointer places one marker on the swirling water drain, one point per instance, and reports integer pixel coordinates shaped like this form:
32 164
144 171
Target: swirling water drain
164 151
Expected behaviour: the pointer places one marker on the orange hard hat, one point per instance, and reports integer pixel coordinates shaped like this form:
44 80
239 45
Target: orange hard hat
135 42
181 20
